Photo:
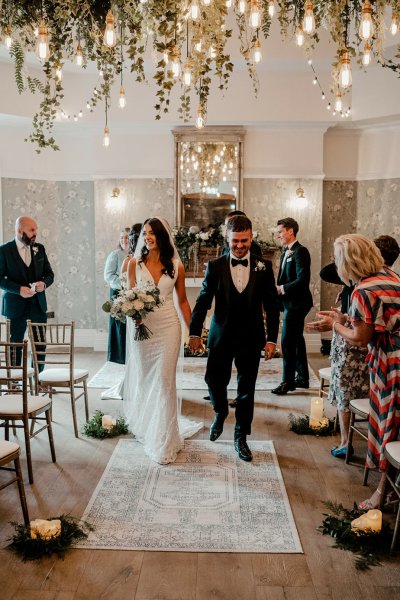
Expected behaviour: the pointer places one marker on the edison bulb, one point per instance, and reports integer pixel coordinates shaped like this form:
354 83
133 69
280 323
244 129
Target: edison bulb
309 19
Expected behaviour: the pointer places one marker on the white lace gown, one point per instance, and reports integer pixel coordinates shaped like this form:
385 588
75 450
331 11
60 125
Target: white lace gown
150 396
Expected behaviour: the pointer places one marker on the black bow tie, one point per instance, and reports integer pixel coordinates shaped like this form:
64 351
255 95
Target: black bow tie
237 261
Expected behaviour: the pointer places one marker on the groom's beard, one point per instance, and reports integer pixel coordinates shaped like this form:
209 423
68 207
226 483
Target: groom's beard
28 241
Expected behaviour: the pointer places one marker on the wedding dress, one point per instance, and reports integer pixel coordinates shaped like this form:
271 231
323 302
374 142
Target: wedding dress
150 398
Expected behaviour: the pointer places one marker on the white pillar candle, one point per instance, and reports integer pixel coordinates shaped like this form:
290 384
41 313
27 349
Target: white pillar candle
374 520
316 411
45 529
107 422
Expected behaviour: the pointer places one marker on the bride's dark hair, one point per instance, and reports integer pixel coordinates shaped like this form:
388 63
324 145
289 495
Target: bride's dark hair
164 245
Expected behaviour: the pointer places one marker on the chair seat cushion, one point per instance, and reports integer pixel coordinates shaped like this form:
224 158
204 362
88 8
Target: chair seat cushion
16 374
7 448
60 375
360 405
392 450
325 373
11 404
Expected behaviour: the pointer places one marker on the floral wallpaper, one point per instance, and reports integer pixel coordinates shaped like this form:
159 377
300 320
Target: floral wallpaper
65 217
267 200
367 207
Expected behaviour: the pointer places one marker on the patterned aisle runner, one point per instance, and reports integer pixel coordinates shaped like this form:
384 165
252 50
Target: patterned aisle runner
207 501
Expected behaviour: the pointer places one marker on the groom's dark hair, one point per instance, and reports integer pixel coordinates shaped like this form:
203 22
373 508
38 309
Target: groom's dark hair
239 223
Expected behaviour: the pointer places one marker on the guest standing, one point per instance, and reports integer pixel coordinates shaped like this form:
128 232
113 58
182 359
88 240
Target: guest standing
25 273
295 302
112 270
375 320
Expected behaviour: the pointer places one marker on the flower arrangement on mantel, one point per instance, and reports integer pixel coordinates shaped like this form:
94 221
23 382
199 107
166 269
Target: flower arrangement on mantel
196 246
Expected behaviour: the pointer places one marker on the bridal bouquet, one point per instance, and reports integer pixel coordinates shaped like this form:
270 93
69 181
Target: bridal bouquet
135 303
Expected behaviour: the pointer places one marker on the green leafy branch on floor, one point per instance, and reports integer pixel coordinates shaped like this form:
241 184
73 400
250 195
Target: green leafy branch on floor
369 546
301 426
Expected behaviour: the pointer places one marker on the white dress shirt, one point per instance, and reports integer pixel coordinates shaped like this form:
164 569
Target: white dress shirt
24 252
240 274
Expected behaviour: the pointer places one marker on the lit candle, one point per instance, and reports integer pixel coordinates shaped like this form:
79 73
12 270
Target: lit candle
316 411
370 521
45 529
107 422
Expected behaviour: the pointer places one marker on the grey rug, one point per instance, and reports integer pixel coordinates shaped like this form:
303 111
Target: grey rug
207 501
192 377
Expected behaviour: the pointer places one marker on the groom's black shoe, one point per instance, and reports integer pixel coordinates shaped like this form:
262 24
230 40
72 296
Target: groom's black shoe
217 427
283 388
243 450
301 383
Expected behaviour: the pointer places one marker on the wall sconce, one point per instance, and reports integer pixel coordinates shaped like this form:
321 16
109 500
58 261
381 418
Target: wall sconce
300 200
116 201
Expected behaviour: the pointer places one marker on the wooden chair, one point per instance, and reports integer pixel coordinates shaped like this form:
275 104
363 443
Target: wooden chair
17 406
58 363
392 454
9 452
5 375
359 413
325 375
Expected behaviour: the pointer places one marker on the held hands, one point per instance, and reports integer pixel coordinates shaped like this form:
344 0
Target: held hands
27 292
269 351
196 344
39 286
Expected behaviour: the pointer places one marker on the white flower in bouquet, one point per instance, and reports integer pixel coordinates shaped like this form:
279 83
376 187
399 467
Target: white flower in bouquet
127 306
148 299
138 304
222 230
204 235
130 294
194 229
255 235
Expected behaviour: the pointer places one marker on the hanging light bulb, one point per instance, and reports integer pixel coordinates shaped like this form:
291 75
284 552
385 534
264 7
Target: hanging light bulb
194 10
176 63
338 101
200 118
206 2
366 57
255 15
271 8
299 36
198 45
42 46
79 55
165 57
345 78
106 137
8 36
394 27
122 98
187 73
59 72
366 29
228 3
257 54
242 6
212 52
309 19
110 38
80 114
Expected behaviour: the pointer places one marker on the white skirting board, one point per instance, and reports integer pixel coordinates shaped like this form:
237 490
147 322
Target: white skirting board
97 339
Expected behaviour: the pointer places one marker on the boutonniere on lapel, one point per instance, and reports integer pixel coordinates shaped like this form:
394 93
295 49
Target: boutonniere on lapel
35 249
289 254
260 266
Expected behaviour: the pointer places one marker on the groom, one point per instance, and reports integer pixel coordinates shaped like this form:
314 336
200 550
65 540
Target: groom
242 285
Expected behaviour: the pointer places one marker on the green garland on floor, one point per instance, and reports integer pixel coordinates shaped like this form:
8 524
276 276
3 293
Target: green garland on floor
301 426
370 547
28 548
94 428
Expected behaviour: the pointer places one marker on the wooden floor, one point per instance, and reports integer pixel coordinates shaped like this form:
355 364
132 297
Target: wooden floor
310 474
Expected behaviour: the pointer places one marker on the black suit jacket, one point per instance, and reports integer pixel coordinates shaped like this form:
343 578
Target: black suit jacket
13 275
295 278
262 294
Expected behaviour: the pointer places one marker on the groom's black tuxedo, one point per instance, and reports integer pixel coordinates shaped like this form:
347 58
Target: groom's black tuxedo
296 302
236 333
13 274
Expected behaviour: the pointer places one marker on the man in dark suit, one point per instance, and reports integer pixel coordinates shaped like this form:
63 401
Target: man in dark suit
254 248
242 285
25 272
296 301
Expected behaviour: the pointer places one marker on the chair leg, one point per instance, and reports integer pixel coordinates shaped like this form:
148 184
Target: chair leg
21 491
33 421
50 432
350 437
73 407
396 531
31 386
7 431
365 477
28 451
85 396
321 387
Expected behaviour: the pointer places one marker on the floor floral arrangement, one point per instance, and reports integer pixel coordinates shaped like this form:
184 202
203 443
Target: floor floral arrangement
301 426
46 537
102 426
368 545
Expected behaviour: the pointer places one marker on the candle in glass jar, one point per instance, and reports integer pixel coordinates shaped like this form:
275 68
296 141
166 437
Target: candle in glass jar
316 411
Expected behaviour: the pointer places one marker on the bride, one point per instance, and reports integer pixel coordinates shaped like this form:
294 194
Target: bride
150 397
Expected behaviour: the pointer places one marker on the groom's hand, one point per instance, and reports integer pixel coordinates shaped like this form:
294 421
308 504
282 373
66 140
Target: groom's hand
195 344
269 351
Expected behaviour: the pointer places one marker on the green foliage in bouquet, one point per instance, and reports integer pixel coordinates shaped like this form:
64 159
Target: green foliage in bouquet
94 428
30 548
369 546
301 426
